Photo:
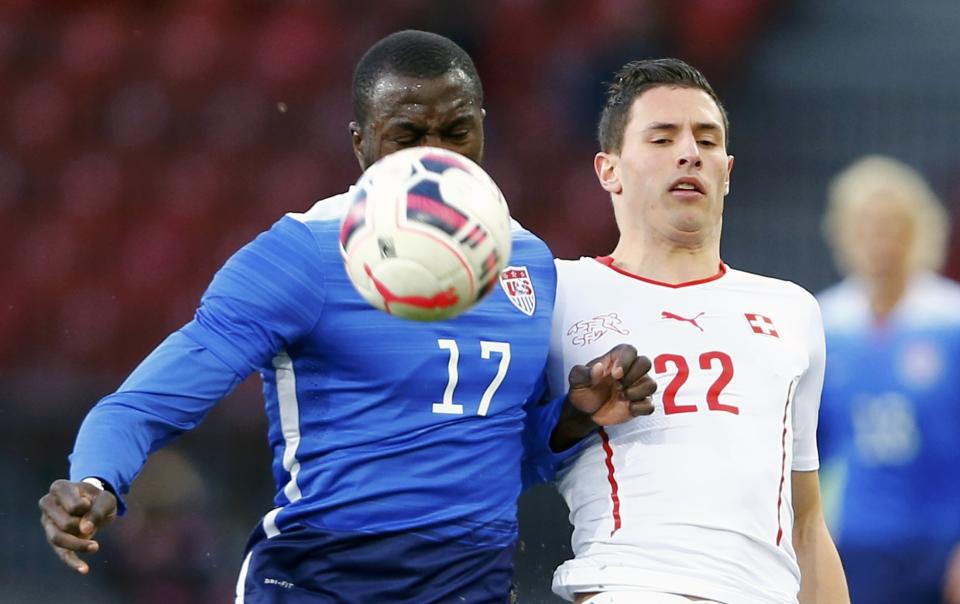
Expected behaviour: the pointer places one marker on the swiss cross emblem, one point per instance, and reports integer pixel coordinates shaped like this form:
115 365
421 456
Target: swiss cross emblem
516 283
761 324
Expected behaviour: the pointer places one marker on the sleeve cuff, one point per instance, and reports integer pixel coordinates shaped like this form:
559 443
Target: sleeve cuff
542 462
79 475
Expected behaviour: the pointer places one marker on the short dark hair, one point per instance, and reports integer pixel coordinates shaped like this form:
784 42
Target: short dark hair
633 80
410 53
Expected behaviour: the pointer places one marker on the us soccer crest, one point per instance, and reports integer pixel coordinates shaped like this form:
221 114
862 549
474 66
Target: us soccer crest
516 283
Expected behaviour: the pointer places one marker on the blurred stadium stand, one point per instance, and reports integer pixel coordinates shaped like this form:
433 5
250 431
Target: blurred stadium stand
142 143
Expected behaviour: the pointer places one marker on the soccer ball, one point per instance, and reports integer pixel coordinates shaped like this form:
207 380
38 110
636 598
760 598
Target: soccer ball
426 234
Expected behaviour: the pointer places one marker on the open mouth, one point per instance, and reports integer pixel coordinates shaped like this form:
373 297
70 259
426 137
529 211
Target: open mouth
687 185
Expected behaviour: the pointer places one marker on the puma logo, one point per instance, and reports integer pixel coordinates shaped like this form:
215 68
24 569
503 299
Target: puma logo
669 315
444 299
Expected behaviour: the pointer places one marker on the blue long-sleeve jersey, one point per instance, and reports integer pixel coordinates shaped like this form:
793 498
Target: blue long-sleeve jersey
376 423
890 416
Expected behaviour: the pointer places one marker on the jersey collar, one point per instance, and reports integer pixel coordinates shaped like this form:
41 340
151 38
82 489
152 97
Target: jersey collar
608 261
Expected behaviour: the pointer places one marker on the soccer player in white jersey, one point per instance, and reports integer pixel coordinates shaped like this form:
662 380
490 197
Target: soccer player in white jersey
383 493
715 496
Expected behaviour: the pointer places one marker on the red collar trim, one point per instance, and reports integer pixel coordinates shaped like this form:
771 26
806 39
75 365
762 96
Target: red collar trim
608 261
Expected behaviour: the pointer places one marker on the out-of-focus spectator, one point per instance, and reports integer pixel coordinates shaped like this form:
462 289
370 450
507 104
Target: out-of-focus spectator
890 415
143 131
167 545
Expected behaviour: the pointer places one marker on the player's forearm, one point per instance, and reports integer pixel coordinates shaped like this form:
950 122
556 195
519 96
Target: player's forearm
822 580
540 458
168 394
572 427
111 445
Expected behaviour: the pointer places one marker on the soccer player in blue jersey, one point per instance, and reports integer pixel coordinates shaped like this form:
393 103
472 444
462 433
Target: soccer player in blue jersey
392 486
890 415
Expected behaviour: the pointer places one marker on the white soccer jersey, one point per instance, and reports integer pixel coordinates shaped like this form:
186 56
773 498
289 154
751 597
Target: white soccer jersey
696 497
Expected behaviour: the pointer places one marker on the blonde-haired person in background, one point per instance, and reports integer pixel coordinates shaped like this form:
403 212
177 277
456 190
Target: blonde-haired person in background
890 412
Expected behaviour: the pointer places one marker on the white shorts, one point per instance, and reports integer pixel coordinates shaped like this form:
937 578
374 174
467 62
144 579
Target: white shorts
643 597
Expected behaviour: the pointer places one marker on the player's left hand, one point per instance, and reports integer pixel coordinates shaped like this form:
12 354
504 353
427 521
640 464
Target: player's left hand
613 388
610 389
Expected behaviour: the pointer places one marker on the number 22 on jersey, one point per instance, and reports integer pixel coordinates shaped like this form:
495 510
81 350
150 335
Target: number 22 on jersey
670 405
487 348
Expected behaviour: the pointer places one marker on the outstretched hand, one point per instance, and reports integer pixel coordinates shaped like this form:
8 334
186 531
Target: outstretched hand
613 388
71 513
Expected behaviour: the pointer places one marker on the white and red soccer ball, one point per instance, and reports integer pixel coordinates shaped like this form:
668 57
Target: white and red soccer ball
426 234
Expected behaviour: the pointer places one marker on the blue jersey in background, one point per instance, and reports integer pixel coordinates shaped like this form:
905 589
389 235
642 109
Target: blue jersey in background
890 437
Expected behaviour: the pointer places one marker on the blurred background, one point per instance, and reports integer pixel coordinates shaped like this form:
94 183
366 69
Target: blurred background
142 143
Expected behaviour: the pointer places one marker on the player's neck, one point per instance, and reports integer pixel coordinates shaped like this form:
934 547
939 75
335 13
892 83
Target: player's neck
667 264
885 293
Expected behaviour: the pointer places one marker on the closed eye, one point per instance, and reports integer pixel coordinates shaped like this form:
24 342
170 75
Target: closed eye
407 136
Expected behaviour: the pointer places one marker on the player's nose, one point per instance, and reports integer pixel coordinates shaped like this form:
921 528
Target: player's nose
431 140
688 152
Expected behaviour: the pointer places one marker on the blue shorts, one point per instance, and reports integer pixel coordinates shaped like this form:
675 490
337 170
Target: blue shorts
305 565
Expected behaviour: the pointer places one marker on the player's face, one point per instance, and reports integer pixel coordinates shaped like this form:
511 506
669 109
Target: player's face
411 112
673 170
878 237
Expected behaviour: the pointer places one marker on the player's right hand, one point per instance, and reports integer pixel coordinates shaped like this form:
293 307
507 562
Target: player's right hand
71 513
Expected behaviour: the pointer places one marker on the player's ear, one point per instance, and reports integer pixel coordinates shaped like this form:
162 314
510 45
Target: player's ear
726 181
605 165
356 140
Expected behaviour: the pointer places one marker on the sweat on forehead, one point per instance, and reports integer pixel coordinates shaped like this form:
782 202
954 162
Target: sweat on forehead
390 86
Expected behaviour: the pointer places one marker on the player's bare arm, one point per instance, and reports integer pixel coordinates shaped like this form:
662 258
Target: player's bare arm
610 389
951 583
71 513
823 580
